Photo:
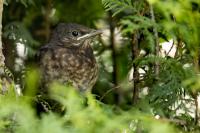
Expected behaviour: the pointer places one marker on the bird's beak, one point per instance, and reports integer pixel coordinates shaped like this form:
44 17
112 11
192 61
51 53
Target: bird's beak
91 34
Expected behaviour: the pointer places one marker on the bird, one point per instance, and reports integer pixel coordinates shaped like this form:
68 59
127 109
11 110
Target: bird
68 57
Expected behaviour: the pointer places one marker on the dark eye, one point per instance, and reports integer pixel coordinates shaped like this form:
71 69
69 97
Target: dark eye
75 33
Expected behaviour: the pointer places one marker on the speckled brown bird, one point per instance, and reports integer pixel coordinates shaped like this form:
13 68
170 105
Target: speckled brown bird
68 57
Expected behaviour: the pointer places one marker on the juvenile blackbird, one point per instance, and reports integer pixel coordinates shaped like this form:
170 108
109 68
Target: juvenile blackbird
68 57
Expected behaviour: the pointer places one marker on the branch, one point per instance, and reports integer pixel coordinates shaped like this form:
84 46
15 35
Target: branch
176 121
5 80
2 58
47 20
157 48
107 92
170 49
135 55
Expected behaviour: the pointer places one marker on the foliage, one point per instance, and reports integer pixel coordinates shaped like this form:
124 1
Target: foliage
24 2
81 116
166 99
79 11
183 27
20 35
166 91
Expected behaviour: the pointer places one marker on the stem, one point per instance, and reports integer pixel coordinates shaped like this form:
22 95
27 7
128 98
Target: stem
3 87
114 57
135 54
47 19
9 53
157 48
112 43
196 108
170 49
2 58
195 92
107 92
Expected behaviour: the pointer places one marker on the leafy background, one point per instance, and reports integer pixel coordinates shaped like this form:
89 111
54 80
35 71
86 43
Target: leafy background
138 90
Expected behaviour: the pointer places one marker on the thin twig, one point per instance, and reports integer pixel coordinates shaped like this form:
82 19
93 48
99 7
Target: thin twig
157 48
170 48
108 91
176 121
196 108
2 58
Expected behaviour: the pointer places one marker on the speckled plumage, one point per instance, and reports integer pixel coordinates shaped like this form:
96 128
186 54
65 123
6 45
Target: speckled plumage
66 59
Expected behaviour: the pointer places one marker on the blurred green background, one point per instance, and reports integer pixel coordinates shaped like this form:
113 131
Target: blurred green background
148 57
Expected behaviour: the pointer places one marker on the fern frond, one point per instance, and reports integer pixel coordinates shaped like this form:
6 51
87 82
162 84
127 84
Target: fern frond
117 5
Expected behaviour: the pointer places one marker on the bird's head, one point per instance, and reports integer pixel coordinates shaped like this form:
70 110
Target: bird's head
72 34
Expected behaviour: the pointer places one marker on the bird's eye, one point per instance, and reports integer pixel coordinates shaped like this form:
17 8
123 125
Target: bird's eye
75 33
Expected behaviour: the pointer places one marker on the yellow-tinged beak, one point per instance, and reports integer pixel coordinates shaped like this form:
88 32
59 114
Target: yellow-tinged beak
91 34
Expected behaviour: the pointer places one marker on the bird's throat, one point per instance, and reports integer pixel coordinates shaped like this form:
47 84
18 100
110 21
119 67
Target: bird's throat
86 49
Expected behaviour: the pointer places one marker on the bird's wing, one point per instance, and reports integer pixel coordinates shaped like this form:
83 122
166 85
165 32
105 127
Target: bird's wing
41 51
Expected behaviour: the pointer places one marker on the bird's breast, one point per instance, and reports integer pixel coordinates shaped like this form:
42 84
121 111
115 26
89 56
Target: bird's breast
68 65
